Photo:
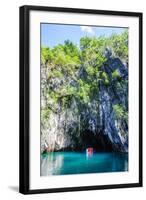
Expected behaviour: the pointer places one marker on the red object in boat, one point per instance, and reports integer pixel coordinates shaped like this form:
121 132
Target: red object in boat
89 151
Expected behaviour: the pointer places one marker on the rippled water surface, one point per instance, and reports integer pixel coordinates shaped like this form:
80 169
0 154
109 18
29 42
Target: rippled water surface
59 163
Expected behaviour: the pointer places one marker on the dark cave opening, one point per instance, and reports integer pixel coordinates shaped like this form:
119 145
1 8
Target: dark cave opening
98 141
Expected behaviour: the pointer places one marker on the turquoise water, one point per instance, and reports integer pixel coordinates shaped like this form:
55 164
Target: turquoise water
59 163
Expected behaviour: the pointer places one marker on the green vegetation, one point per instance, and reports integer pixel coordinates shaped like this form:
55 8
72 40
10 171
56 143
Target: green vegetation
105 78
73 72
119 44
115 74
120 112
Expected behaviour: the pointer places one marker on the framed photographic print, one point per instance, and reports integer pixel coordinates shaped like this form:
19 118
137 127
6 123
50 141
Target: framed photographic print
80 99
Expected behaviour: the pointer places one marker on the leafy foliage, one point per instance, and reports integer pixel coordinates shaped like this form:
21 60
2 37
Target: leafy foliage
120 112
119 44
73 72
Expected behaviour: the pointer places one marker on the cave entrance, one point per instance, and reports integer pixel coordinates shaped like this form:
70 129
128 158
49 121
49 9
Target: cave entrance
98 141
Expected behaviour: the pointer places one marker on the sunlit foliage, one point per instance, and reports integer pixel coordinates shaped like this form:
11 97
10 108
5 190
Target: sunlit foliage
75 71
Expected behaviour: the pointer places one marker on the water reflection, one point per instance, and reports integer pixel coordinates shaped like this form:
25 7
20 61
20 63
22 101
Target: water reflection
58 163
51 164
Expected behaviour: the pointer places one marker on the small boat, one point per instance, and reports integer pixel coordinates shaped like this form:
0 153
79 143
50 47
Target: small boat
89 151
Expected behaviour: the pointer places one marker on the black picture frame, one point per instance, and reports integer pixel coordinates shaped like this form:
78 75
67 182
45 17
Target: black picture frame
25 105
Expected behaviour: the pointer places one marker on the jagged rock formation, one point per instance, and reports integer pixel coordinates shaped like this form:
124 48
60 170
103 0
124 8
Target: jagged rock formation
100 122
84 95
111 97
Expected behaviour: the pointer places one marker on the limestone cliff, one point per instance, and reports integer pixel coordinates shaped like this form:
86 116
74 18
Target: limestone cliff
100 122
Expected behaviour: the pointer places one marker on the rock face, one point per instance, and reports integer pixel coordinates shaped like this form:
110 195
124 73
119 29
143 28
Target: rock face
115 94
101 123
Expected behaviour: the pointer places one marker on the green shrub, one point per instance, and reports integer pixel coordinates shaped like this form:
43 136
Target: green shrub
120 112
